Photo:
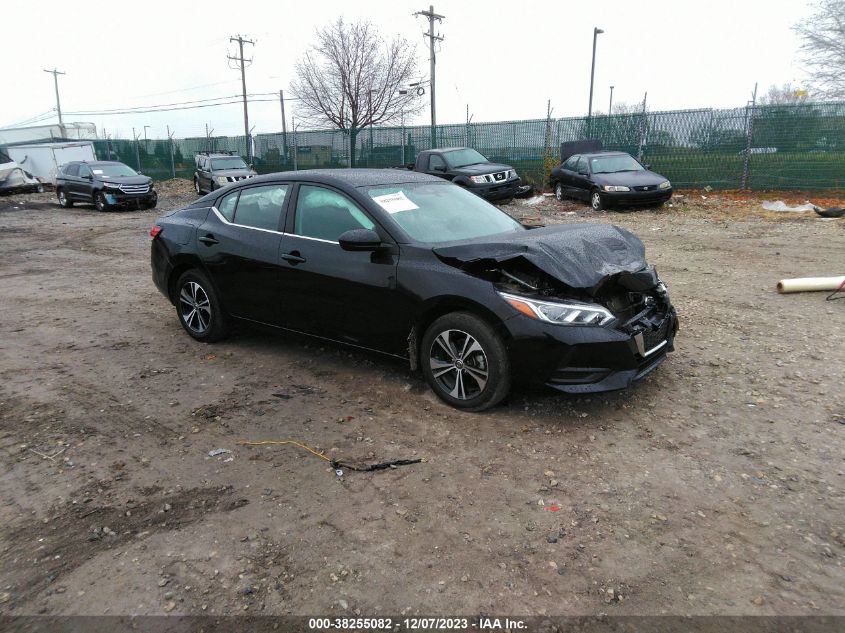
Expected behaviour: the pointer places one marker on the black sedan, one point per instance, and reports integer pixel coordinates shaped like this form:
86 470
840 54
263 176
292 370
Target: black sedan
609 179
418 268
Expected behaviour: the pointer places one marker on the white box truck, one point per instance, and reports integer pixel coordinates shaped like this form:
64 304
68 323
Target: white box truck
42 160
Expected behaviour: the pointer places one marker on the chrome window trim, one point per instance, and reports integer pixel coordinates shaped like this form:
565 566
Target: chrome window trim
243 226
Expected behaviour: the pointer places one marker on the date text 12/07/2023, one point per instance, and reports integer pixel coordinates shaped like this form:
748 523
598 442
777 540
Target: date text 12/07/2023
417 623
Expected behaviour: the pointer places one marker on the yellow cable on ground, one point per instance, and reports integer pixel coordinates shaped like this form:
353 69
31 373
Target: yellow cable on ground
281 442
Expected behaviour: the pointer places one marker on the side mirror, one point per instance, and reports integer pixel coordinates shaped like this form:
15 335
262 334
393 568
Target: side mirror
438 168
583 173
88 177
360 240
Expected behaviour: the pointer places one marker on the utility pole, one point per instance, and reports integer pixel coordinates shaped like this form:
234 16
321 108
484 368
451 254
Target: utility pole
56 74
432 38
284 124
596 32
610 105
240 63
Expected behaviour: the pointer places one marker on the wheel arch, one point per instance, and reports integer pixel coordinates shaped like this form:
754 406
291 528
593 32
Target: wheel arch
182 265
435 308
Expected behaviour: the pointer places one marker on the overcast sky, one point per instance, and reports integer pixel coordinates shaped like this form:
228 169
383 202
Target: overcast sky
503 58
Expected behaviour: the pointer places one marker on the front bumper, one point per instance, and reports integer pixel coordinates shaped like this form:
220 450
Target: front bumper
130 201
586 359
496 190
637 198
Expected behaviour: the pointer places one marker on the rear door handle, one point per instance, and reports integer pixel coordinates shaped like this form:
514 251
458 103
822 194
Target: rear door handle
293 257
208 239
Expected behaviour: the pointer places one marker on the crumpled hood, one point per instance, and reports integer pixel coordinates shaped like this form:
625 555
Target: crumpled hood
578 255
12 175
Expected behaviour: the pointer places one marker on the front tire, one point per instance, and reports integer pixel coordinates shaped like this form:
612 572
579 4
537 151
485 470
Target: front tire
597 201
100 201
64 201
465 362
559 196
198 308
197 186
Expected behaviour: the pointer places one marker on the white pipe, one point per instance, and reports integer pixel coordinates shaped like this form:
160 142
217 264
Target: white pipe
810 284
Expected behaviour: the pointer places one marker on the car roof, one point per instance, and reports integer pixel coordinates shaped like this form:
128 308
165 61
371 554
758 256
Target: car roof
350 177
600 153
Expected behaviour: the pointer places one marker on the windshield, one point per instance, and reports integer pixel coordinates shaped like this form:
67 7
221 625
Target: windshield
612 164
232 162
113 170
434 212
463 157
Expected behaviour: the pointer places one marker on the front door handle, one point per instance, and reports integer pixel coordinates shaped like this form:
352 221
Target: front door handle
208 239
293 257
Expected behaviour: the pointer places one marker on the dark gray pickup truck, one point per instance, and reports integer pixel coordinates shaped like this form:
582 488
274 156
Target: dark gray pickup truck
466 167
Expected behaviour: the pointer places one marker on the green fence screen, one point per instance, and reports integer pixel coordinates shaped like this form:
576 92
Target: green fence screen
763 147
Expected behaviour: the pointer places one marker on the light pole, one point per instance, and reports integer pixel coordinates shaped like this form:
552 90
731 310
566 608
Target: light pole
610 105
596 32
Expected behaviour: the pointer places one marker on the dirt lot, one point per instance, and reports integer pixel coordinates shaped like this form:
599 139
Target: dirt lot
716 486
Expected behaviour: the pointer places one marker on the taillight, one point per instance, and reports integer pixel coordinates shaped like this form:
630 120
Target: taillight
155 232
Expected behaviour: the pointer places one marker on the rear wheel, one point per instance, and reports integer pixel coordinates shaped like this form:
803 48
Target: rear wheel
64 201
559 191
197 185
597 201
100 201
198 308
465 362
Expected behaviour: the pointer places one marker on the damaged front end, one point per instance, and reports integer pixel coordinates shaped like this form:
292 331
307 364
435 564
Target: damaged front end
588 310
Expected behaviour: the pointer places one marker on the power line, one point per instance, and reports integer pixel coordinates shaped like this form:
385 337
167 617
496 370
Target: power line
33 119
177 103
186 107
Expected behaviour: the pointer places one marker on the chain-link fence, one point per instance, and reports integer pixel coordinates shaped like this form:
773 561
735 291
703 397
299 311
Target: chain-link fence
763 147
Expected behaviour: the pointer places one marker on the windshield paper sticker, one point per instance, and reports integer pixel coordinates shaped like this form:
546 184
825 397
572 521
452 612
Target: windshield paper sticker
395 202
97 171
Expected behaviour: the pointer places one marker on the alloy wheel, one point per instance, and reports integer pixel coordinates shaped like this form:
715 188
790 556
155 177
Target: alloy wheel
596 201
559 191
195 307
99 201
197 185
62 197
458 364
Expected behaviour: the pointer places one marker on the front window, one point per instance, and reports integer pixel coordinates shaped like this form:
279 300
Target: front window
113 170
326 215
463 158
434 212
613 164
230 162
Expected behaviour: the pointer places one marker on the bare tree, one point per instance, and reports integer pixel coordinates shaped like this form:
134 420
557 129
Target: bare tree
786 94
352 78
823 48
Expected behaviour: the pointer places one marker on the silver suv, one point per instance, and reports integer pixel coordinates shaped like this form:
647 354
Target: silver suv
218 169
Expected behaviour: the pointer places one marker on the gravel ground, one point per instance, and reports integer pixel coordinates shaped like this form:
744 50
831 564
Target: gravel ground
714 487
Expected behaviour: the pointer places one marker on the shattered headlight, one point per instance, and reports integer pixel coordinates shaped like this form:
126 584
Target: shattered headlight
478 180
221 180
664 185
569 313
111 185
513 174
616 188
